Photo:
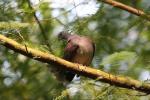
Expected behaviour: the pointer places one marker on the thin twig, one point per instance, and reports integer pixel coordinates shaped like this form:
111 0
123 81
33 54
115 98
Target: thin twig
127 8
41 27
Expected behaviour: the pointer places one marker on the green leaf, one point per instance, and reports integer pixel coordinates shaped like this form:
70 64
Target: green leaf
118 57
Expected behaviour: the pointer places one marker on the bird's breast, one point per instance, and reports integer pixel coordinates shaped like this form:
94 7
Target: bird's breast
82 57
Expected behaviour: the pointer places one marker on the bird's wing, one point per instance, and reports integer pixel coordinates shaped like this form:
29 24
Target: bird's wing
70 51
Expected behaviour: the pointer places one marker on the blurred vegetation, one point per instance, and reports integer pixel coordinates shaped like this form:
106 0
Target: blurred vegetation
122 48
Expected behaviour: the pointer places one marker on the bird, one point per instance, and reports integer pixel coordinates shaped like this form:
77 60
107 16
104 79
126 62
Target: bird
79 49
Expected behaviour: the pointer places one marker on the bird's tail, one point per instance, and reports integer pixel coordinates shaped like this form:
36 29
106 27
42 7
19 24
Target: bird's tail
62 75
69 76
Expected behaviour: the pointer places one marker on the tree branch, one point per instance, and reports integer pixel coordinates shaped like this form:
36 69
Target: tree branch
79 69
127 8
13 25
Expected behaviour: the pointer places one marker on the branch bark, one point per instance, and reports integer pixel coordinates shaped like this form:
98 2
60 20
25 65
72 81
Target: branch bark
79 69
127 8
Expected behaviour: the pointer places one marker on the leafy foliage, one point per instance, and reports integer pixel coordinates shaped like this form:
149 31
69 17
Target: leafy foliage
122 48
118 57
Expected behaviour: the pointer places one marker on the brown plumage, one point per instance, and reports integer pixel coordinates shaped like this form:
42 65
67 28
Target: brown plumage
79 49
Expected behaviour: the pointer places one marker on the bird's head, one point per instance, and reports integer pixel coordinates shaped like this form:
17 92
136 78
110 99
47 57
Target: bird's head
63 35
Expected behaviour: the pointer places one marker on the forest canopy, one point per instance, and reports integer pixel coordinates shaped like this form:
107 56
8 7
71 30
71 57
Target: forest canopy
120 31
